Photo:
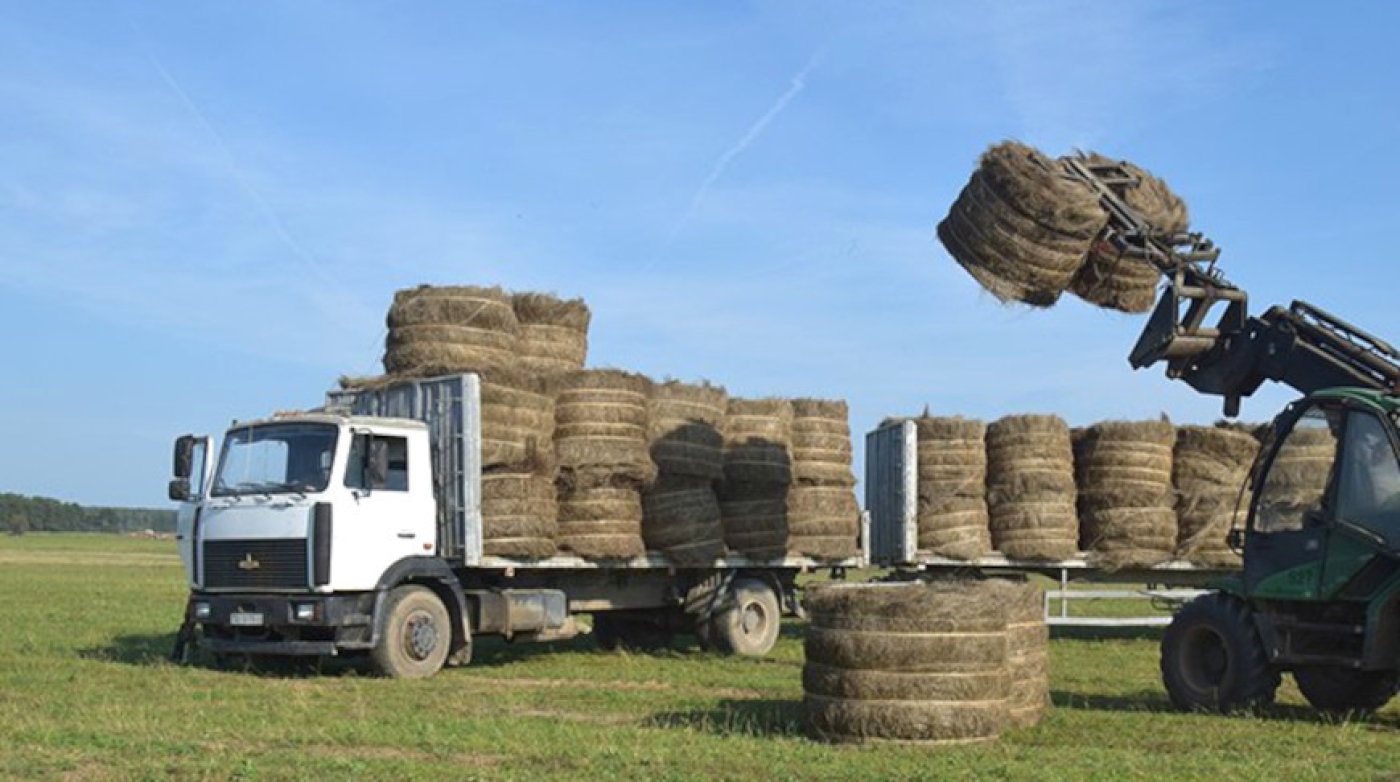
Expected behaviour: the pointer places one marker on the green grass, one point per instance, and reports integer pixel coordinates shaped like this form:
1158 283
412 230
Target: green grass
85 693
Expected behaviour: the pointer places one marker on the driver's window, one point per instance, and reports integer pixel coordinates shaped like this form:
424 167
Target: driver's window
1368 490
1297 481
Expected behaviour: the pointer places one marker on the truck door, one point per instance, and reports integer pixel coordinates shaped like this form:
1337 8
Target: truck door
1367 519
1286 538
390 516
187 513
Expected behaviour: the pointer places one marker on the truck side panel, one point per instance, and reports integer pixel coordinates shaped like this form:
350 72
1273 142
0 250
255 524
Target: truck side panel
891 492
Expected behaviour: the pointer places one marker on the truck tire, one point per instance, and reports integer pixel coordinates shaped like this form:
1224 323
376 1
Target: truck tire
416 636
1213 660
748 623
1340 690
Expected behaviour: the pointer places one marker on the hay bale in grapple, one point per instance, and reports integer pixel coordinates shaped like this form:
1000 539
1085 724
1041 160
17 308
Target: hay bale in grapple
1027 650
1121 282
952 476
1020 226
1297 478
685 428
1210 465
1030 488
908 662
519 515
1124 473
823 515
681 519
553 332
601 425
445 330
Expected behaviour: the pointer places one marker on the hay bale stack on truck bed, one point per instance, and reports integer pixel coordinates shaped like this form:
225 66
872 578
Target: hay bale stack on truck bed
553 333
680 512
952 478
823 515
1030 488
444 330
1124 473
757 474
1210 467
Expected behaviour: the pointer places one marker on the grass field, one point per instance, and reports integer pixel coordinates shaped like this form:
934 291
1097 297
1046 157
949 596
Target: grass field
85 694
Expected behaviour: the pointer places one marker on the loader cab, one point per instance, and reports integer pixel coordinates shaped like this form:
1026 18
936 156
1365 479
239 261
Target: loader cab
1325 515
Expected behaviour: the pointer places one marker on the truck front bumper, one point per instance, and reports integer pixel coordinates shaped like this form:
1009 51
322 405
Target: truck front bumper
306 624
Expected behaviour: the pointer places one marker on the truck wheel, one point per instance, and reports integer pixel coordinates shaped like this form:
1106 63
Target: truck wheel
1213 660
416 637
1335 689
748 624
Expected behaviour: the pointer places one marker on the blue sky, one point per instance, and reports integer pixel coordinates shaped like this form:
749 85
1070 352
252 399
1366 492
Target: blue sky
205 208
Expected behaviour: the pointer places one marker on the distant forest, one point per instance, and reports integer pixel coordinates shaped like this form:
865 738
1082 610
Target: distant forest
20 514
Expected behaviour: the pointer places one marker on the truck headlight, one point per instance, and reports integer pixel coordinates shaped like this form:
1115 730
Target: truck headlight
305 612
202 611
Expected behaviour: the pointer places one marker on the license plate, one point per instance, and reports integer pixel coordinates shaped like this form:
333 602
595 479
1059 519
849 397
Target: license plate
245 619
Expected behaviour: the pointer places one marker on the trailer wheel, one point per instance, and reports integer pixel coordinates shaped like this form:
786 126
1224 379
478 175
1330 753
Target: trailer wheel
416 637
1213 660
1335 689
748 624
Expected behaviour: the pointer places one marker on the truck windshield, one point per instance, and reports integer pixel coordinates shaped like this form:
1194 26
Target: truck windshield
276 459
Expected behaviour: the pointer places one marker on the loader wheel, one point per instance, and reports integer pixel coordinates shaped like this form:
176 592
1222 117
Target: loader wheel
416 637
1213 660
1341 690
749 622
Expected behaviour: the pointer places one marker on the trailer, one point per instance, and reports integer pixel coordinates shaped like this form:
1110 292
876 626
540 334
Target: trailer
355 530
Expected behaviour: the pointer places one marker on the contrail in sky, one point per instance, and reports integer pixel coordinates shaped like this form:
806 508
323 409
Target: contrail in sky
798 83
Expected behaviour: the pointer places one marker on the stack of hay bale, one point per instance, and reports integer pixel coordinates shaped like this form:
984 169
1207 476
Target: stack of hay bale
1297 478
1031 489
913 662
1210 465
552 333
1124 473
823 516
1121 282
442 330
757 474
1020 227
952 477
604 462
680 512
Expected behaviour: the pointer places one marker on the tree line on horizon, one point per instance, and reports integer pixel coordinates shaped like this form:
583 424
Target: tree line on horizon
20 514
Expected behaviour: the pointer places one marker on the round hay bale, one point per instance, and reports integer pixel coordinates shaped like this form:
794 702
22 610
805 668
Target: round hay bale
517 421
1020 226
443 330
952 472
1123 470
601 424
1297 478
685 429
905 662
823 522
1031 489
755 519
681 519
1027 651
519 515
601 523
461 305
758 441
553 332
1210 466
821 443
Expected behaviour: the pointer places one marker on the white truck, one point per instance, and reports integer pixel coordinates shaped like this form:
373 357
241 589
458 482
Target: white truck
356 530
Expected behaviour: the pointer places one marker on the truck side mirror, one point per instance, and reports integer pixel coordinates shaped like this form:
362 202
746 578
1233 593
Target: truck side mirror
179 489
1235 539
184 456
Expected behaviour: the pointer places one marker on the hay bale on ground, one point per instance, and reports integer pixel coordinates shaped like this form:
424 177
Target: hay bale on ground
601 425
1021 227
602 521
553 332
681 519
685 428
1210 465
755 520
443 330
908 662
519 515
1027 651
952 476
1031 489
1124 472
1111 279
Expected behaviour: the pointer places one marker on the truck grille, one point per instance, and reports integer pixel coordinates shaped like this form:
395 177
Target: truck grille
264 564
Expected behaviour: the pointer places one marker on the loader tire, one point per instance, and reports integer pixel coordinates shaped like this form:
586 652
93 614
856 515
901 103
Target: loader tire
1344 690
1213 660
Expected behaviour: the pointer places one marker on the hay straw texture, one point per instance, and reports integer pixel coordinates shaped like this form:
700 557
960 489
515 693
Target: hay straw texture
442 330
1030 488
1027 650
1297 478
1210 465
952 476
1021 227
601 523
823 521
517 422
755 519
553 332
519 515
1124 473
681 519
758 441
601 426
908 662
821 443
685 425
1118 282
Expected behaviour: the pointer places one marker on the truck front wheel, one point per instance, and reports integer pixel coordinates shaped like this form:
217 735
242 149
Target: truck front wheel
416 636
1213 660
748 623
1336 689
